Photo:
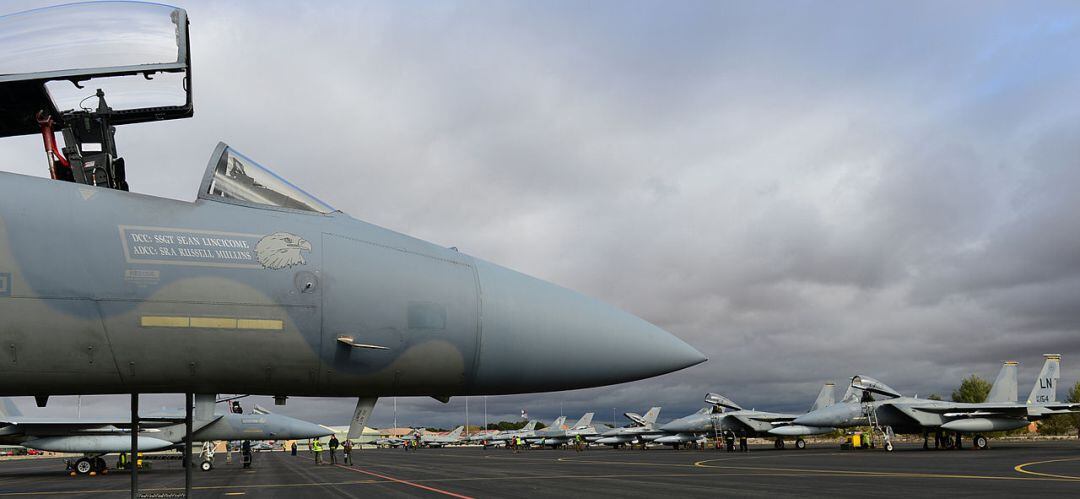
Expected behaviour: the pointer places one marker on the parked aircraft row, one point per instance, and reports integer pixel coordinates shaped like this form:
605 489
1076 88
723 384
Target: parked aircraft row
867 402
97 437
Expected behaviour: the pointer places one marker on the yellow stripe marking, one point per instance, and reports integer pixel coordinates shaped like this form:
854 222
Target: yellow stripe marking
272 324
163 321
211 322
1020 468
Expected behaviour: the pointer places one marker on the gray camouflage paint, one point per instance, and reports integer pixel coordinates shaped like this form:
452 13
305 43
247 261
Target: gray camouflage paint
75 298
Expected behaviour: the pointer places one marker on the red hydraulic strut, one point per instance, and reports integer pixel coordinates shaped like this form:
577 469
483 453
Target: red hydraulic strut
46 123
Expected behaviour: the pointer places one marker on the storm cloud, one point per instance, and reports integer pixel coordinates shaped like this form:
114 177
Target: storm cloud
802 190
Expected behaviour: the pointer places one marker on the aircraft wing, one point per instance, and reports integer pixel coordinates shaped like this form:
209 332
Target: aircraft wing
774 418
974 410
88 423
752 423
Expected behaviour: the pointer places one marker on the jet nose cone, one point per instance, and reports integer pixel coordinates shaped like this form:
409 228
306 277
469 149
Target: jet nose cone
540 337
299 429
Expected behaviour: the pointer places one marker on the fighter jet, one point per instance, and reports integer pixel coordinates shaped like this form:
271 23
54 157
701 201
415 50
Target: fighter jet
397 441
534 436
254 286
481 436
557 435
96 437
435 440
725 415
640 430
893 413
500 438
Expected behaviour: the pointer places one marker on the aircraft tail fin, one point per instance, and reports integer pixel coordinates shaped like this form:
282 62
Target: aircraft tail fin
585 420
650 417
1005 386
8 408
559 423
825 397
1045 389
531 425
457 432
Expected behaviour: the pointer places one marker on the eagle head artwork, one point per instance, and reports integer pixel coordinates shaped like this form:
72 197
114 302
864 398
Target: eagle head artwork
281 250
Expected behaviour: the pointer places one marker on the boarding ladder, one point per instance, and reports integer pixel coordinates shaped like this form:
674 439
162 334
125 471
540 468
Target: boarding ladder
875 426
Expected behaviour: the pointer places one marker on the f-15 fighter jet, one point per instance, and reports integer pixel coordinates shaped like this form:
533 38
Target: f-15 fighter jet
893 413
727 416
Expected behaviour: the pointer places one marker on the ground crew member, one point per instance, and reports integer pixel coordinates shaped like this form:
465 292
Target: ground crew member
742 445
333 449
294 447
245 453
346 449
316 447
729 440
577 442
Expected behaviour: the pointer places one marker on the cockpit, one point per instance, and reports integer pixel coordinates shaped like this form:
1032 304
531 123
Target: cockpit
84 69
235 178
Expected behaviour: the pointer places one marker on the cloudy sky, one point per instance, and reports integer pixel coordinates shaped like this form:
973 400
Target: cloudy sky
803 190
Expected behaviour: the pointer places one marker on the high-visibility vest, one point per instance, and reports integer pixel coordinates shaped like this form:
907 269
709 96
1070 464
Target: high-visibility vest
317 447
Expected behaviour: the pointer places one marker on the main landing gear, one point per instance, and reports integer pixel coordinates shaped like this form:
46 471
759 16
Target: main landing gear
89 465
779 444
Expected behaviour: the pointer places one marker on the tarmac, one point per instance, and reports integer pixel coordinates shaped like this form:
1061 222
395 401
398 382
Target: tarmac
1007 468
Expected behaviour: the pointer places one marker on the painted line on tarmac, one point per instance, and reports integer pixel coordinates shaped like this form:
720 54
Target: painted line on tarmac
1020 468
890 474
742 457
172 489
398 480
404 482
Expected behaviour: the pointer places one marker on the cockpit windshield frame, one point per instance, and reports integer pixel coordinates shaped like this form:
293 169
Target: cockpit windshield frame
23 95
217 185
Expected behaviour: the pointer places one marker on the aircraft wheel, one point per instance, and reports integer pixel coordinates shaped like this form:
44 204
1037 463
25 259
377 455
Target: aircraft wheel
206 465
100 466
980 442
888 447
779 444
800 444
83 466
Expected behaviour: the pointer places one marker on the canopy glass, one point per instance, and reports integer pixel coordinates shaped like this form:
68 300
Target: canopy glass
238 178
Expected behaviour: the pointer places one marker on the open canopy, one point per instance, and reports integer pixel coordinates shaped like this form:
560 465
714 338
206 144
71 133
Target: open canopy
54 58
